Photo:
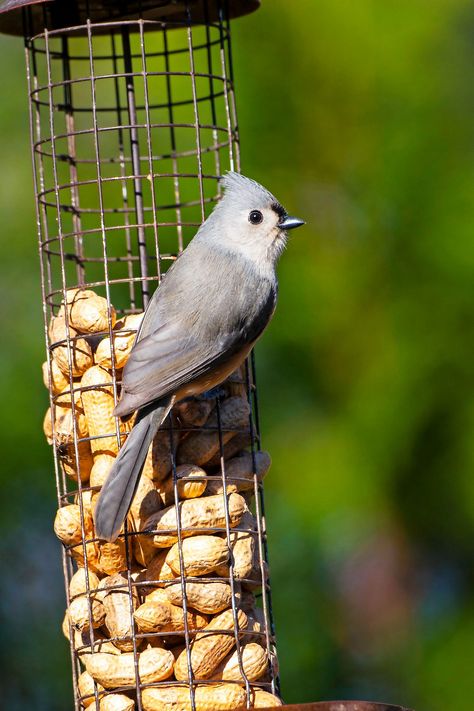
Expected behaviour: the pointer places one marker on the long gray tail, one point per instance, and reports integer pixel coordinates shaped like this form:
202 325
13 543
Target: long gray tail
119 489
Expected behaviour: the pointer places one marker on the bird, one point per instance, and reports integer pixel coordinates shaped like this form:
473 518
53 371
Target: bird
201 323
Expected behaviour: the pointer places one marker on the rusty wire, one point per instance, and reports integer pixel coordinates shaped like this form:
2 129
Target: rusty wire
132 123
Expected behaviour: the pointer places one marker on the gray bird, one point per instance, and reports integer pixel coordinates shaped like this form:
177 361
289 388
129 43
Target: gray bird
201 323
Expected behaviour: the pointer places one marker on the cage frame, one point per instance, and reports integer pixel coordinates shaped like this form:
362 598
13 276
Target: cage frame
53 297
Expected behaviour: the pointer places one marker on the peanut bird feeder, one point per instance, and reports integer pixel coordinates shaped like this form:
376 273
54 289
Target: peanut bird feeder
133 121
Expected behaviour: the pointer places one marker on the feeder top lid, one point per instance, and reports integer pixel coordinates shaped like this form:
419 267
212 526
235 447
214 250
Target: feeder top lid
56 14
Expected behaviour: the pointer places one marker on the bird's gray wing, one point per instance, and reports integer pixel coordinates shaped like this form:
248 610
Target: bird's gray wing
162 362
207 308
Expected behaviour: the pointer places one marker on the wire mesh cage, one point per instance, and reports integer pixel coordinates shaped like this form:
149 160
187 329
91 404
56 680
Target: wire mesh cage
133 121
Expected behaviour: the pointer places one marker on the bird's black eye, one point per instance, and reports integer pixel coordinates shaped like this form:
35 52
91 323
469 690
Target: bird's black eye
255 217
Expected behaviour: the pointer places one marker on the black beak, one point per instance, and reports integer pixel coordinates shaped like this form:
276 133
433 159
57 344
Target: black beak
290 223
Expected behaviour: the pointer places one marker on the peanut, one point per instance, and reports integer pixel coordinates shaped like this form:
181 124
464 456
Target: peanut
186 489
67 524
208 649
80 350
62 420
74 467
123 340
112 557
254 664
261 699
85 609
241 468
116 702
146 502
84 647
158 571
200 555
88 312
200 447
112 671
67 527
98 404
158 463
242 545
116 602
194 412
53 377
196 514
157 615
209 597
100 469
232 448
65 397
86 689
209 697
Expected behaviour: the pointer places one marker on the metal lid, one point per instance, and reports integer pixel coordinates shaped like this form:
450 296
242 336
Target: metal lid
55 14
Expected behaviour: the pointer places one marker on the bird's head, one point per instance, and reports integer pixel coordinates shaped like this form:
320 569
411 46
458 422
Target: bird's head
250 220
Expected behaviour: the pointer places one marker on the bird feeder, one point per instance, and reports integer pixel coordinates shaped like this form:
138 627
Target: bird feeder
133 121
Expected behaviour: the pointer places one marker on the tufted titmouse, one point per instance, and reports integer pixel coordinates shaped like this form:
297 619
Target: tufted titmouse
210 308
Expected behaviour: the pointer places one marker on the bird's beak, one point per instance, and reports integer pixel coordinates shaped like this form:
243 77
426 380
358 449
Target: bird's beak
290 223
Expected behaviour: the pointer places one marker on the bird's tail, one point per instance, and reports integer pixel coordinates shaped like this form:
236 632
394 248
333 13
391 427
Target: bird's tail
119 489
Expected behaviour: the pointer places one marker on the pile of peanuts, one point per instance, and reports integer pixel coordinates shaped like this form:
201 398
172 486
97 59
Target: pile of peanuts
143 608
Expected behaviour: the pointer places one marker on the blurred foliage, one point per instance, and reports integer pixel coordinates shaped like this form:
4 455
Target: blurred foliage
359 117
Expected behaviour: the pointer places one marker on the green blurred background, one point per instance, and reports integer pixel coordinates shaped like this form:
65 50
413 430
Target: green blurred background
358 115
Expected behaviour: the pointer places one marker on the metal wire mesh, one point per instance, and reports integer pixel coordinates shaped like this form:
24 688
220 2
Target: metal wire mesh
132 123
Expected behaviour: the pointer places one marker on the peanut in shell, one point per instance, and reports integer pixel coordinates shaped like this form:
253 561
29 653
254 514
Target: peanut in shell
239 473
208 697
210 647
116 601
254 662
123 339
196 514
159 615
79 349
200 447
261 699
98 403
116 702
88 312
200 555
210 597
53 377
187 487
86 689
113 671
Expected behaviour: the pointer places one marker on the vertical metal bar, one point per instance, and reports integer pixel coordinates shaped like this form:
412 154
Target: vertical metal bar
177 192
233 107
71 158
149 147
231 135
135 154
192 72
215 137
38 166
123 182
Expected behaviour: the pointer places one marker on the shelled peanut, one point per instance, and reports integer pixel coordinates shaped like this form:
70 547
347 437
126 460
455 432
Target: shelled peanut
181 587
